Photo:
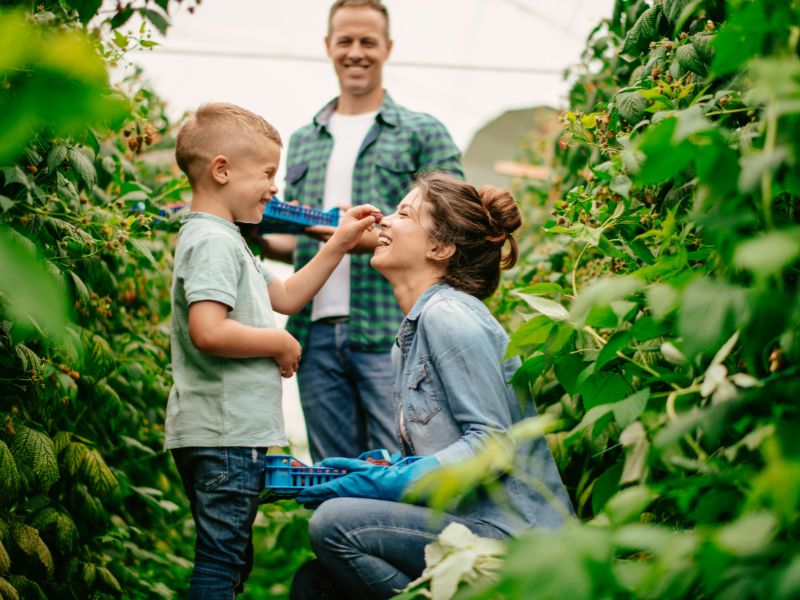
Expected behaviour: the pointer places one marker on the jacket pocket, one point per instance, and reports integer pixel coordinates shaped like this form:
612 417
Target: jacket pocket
423 400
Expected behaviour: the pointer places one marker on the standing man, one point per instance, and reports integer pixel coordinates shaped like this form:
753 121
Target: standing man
361 147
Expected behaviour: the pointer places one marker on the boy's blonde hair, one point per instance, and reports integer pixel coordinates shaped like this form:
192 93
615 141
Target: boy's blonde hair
218 128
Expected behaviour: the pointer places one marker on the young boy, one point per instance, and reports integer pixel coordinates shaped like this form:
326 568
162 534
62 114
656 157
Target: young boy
228 356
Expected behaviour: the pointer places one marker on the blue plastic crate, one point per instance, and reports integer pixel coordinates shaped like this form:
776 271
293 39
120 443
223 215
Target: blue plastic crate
282 217
285 476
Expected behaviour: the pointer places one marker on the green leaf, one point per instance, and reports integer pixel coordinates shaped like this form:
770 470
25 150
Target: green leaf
35 449
609 352
637 447
631 106
703 44
644 31
662 299
740 38
542 288
757 163
8 591
28 540
56 156
567 368
601 293
121 17
602 388
99 478
627 505
83 165
156 18
9 477
67 534
709 313
86 9
120 39
747 536
108 579
690 60
549 308
5 561
531 334
559 337
770 253
140 247
674 8
663 159
621 185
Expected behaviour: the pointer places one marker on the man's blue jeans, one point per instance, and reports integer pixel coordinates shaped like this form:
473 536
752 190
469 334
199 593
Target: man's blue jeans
223 486
346 395
371 548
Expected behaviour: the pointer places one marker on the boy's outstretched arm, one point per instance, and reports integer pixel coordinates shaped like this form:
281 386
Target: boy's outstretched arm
296 291
214 333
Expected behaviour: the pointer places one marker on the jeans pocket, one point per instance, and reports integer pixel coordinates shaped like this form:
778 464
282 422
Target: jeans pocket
212 469
423 399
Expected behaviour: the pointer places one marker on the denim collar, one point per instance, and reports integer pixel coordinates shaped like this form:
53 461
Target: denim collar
204 216
408 328
387 113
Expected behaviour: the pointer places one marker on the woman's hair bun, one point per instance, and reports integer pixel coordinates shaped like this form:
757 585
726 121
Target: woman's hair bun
504 216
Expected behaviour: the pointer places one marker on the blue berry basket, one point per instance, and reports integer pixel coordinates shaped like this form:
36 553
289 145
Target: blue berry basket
286 476
282 217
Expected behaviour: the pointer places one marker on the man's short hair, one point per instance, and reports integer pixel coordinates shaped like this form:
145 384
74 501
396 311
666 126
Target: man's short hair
374 4
219 128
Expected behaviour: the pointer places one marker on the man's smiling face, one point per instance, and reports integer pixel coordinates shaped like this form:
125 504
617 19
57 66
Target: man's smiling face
358 46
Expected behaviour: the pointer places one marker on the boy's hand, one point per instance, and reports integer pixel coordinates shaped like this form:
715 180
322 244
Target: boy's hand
355 222
288 354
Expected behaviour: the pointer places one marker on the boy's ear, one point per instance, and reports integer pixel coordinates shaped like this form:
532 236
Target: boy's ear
440 252
220 169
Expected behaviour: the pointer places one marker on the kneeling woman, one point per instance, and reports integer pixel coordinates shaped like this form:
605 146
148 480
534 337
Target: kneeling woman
442 253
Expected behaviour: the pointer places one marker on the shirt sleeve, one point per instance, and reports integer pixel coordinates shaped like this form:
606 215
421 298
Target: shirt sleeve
212 270
266 273
471 371
439 152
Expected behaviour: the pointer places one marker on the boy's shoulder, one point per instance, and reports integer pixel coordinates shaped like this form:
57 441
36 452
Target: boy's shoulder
194 232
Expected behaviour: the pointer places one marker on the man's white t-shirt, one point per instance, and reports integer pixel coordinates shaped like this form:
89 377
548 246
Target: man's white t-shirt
348 132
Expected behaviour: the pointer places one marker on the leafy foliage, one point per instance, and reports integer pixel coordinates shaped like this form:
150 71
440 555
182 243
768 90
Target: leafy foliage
84 298
657 313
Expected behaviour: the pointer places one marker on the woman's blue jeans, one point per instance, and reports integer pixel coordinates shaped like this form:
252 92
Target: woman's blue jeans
371 548
223 487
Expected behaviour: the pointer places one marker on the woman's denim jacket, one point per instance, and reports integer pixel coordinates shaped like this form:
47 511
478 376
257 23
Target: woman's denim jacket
451 396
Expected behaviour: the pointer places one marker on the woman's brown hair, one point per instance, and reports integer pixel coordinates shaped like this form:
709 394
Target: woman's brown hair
478 222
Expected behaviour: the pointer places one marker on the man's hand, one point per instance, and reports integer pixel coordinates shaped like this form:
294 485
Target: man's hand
320 232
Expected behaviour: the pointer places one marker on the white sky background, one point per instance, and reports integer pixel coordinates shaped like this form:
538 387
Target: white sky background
522 34
541 38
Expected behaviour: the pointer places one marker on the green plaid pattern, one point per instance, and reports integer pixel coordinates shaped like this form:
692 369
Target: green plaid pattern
400 144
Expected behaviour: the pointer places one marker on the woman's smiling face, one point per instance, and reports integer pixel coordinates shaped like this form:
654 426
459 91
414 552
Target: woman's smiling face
403 241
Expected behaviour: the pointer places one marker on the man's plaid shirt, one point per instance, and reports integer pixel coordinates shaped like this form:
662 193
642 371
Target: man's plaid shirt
400 144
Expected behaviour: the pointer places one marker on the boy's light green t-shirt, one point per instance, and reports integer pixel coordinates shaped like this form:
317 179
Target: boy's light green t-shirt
218 401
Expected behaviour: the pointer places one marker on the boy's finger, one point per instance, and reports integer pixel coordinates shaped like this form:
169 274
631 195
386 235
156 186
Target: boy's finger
364 210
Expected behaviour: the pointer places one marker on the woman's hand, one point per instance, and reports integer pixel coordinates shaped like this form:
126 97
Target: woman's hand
367 480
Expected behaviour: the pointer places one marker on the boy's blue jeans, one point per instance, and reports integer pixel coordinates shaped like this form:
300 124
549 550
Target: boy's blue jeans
223 486
371 548
346 395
